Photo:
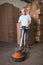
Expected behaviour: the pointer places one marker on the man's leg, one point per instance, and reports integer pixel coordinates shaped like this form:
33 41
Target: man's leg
24 39
27 37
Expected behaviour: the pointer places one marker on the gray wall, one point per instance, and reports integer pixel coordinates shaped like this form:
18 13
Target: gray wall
18 3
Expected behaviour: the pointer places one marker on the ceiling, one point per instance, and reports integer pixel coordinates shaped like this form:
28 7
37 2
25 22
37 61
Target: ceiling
28 1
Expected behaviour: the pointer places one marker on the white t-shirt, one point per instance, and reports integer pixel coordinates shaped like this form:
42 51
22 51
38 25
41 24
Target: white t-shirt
24 20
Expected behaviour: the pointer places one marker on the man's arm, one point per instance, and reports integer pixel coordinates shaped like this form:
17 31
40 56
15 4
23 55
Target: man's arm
19 22
28 24
29 21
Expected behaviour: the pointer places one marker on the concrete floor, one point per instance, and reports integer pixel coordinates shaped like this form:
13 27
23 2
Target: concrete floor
35 55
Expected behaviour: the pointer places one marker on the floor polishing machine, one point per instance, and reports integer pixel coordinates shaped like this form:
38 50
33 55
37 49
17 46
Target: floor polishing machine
20 53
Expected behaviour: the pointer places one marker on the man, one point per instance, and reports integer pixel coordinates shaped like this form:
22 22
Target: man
25 21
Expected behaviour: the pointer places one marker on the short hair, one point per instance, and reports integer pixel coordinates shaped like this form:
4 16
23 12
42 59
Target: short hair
22 9
28 8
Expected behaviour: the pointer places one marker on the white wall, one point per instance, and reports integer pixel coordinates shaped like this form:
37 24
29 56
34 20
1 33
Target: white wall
18 3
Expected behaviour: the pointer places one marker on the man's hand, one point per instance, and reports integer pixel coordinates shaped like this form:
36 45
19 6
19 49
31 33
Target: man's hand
28 24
